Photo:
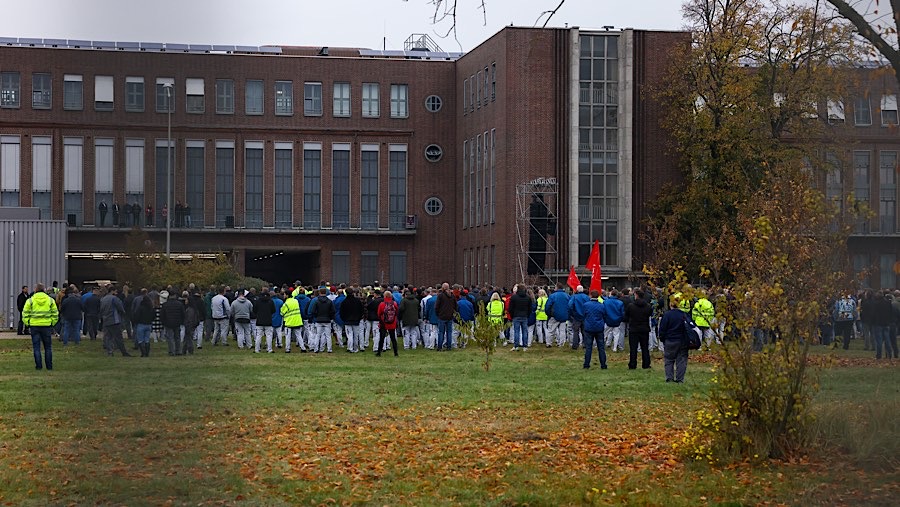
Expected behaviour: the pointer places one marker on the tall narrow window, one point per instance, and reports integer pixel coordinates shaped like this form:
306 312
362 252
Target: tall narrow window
862 111
465 100
472 93
369 187
398 268
368 267
340 186
399 101
473 183
397 186
41 91
487 80
493 81
889 277
312 99
224 96
224 184
41 182
9 170
254 97
73 93
486 180
284 98
465 185
493 175
887 211
195 95
370 101
479 180
835 111
165 95
103 93
134 94
284 160
889 110
195 183
10 89
861 180
312 185
103 180
341 99
478 90
73 171
253 184
134 179
340 266
163 209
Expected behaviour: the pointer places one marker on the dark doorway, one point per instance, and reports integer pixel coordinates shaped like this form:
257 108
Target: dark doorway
279 267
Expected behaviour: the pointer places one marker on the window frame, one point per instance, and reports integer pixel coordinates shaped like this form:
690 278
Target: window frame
13 92
400 101
340 104
430 102
46 90
284 98
312 99
249 86
367 98
131 87
224 96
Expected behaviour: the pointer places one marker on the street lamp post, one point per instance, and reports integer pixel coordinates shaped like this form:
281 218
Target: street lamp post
168 87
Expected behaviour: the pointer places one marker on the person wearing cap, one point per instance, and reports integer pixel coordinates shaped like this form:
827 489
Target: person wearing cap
293 324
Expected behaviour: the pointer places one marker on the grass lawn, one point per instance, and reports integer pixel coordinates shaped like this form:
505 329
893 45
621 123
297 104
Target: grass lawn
230 427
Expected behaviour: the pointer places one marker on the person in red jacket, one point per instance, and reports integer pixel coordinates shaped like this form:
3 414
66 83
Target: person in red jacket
388 313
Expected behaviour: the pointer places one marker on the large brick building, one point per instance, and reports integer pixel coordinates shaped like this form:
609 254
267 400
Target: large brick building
346 164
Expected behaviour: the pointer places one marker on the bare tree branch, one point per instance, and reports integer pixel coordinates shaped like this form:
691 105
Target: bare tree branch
868 32
549 14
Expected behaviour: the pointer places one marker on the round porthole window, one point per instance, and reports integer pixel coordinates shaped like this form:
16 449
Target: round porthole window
433 103
433 153
434 206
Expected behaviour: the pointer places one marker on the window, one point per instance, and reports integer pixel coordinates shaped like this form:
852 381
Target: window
493 81
473 183
312 185
398 268
284 98
134 94
487 79
194 184
134 177
399 96
888 182
224 184
165 95
340 186
472 93
886 269
368 267
341 99
72 92
369 187
862 111
493 176
9 170
478 93
486 179
889 110
224 96
165 168
397 186
73 170
465 184
465 100
103 178
434 206
195 95
861 166
370 105
433 103
253 97
103 93
835 112
9 89
41 89
253 184
284 159
41 182
340 266
312 99
479 179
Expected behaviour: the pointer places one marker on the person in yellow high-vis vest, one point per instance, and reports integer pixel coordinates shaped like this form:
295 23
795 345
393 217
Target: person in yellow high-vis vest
541 330
40 314
496 309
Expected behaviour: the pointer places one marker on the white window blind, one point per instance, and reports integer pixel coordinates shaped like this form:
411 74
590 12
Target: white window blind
73 164
134 166
9 162
888 102
41 152
397 147
253 145
72 77
835 110
284 146
103 165
312 146
165 81
194 86
103 89
368 147
134 79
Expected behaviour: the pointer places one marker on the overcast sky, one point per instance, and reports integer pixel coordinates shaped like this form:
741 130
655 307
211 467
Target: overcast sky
350 23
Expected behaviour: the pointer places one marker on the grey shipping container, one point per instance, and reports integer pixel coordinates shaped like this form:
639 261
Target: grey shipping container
32 251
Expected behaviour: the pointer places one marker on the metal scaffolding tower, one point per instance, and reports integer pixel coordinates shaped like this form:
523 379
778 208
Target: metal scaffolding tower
537 221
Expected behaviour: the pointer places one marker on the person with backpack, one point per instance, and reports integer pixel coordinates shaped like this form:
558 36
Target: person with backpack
388 311
672 334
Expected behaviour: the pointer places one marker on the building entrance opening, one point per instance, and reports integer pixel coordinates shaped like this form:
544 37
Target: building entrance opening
283 266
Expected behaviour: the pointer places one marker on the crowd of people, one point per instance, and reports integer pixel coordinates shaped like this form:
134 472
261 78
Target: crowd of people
355 318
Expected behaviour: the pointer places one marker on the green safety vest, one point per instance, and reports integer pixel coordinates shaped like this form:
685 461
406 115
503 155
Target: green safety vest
495 310
290 312
541 313
40 311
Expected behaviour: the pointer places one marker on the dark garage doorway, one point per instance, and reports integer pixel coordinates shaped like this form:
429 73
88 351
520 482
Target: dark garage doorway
283 266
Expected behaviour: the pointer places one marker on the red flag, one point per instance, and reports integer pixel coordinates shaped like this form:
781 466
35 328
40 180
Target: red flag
573 280
593 265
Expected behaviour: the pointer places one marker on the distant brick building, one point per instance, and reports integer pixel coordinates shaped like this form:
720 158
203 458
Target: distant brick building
345 164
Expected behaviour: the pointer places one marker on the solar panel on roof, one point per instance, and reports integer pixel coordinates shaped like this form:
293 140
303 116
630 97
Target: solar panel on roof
155 46
221 47
25 40
248 49
75 43
177 47
270 49
200 47
102 44
55 42
9 41
393 52
370 52
128 45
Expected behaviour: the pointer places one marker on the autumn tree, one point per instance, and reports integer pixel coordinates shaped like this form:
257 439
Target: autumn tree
747 118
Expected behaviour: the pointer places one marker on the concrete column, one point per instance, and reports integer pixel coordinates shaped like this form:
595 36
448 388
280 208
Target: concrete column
626 152
574 52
